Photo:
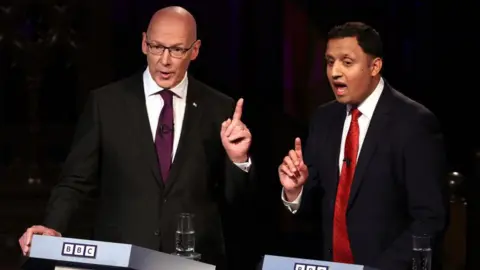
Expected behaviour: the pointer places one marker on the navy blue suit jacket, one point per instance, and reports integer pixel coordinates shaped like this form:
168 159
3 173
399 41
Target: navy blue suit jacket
398 188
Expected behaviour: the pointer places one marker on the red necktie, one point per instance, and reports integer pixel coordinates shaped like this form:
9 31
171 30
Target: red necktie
341 243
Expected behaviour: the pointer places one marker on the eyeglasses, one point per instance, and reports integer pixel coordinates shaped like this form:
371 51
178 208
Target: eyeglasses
175 51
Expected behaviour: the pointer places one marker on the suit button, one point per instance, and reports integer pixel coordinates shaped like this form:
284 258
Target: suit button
164 200
156 233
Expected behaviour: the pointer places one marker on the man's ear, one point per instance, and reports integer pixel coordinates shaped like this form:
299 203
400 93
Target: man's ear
376 66
195 49
144 43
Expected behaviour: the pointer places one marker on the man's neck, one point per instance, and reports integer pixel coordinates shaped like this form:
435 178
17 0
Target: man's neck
374 83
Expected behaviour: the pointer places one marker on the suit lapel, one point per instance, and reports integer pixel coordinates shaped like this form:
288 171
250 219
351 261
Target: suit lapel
142 130
194 108
334 140
377 126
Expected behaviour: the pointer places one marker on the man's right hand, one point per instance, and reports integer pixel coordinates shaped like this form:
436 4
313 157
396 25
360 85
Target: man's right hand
26 239
293 172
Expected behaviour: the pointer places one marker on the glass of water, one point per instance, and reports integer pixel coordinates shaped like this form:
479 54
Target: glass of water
422 252
185 237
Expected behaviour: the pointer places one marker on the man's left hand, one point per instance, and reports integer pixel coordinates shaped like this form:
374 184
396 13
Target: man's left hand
236 138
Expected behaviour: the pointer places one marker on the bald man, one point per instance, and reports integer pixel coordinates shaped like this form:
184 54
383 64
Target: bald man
155 145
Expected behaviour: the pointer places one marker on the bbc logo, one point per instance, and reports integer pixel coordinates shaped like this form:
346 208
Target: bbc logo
79 250
301 266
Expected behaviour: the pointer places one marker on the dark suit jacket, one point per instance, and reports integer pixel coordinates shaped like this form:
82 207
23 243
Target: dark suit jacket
397 188
113 154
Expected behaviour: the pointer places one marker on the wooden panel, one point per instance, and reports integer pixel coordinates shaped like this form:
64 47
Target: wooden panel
455 239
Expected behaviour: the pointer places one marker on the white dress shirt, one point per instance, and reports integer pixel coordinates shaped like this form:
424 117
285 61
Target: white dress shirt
154 103
367 108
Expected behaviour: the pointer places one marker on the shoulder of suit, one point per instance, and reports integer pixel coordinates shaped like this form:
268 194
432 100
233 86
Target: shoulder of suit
410 106
120 86
414 114
331 105
327 109
209 92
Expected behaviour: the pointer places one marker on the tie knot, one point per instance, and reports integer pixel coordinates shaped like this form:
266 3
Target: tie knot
167 96
355 113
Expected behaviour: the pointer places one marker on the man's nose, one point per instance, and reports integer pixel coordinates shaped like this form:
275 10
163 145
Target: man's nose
336 76
336 71
165 57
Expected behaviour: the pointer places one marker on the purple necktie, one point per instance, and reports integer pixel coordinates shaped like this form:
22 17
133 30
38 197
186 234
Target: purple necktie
164 136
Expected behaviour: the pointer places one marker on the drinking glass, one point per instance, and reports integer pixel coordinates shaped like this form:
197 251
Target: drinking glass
185 237
422 252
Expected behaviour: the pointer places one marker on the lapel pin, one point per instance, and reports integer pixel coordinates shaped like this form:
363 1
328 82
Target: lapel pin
194 104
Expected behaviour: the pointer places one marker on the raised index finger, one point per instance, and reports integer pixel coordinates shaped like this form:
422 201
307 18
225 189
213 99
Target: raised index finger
237 115
298 148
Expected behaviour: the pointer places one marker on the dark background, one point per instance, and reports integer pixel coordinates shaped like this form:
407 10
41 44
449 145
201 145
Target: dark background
52 53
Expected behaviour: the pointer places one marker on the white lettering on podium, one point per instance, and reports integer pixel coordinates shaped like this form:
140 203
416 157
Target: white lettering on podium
79 250
90 251
68 249
301 266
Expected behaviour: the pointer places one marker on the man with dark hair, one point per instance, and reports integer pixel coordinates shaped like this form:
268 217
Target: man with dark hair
373 163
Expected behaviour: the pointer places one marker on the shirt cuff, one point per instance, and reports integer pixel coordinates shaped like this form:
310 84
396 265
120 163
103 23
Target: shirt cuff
244 166
292 206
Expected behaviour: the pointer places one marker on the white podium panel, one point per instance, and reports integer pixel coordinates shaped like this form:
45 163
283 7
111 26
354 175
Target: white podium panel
271 262
71 253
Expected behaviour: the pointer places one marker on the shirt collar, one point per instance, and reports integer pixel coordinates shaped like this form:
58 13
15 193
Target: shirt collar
367 107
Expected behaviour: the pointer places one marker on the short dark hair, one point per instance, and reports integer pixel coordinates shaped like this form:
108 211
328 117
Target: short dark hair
367 37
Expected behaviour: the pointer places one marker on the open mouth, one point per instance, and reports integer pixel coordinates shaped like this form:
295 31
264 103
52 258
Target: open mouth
165 75
340 88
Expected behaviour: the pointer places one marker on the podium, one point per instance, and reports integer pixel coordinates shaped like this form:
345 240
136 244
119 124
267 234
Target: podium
271 262
59 253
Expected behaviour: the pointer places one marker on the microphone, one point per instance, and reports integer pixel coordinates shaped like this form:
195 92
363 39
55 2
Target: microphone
348 161
165 129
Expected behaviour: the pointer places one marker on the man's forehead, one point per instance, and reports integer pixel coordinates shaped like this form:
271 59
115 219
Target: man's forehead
341 53
168 32
169 39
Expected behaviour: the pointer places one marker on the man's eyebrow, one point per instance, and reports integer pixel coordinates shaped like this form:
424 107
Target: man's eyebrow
160 43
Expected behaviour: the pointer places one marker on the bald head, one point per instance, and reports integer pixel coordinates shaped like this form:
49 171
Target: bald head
174 15
170 44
